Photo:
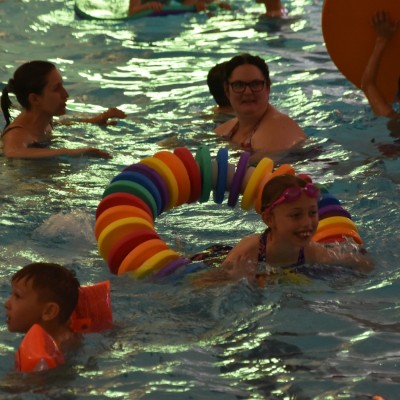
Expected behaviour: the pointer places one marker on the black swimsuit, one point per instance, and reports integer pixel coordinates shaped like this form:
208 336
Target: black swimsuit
39 145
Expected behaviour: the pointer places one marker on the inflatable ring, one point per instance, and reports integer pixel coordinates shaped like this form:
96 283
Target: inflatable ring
125 220
264 166
156 178
117 212
193 170
203 158
121 198
165 172
180 172
238 179
222 160
345 222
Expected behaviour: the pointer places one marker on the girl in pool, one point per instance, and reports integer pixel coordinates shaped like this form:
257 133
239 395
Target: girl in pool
290 211
258 125
39 89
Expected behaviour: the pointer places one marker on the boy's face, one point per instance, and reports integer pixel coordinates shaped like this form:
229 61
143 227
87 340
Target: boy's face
23 308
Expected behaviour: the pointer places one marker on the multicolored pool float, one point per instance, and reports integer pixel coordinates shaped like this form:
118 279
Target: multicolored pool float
125 217
39 352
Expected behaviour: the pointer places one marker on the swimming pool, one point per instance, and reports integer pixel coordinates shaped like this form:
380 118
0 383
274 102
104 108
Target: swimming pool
329 339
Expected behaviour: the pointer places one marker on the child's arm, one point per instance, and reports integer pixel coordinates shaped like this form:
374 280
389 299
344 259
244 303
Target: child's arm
354 258
385 30
241 262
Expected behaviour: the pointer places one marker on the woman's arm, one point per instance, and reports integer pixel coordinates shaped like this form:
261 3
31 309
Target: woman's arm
47 153
16 145
385 30
100 119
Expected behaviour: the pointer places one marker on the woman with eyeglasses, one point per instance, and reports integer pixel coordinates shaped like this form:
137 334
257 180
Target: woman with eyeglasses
290 211
38 87
258 125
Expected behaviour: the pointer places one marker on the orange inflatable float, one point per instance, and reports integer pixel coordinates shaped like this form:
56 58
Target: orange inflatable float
350 37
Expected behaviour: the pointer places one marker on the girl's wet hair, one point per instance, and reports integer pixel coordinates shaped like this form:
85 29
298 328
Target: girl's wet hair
30 77
246 58
53 283
276 186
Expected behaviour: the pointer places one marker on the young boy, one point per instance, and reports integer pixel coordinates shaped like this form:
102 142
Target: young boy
45 294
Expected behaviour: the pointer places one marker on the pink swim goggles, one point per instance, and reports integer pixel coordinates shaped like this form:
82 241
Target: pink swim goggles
293 193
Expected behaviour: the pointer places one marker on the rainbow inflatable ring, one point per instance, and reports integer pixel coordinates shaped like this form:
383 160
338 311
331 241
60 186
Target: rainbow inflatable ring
125 217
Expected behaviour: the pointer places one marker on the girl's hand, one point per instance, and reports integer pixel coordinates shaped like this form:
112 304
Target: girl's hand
242 267
383 25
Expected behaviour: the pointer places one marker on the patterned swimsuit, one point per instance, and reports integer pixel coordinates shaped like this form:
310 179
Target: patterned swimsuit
262 250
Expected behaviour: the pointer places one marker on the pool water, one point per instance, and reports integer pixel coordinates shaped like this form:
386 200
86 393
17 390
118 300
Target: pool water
330 338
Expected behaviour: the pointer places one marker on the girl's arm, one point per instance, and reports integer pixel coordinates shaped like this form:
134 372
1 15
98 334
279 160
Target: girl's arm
385 30
355 258
241 262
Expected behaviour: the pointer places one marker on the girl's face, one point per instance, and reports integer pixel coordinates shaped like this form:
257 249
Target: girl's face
23 308
248 101
53 99
294 222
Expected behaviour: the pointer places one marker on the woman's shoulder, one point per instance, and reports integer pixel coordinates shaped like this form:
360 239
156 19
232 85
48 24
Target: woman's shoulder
12 127
226 127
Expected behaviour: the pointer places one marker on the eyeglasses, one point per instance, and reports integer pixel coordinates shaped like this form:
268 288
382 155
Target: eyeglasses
240 86
292 194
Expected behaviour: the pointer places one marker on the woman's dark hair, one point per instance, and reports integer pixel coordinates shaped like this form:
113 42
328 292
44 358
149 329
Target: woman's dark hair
246 58
274 188
30 77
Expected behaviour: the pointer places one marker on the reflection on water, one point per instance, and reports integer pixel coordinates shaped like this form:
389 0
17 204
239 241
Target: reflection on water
329 338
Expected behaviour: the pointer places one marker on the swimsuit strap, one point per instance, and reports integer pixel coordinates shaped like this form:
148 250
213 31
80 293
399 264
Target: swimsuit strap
10 128
262 250
247 142
232 132
262 247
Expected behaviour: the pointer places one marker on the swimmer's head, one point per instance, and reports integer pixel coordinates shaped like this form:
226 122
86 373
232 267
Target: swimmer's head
215 82
285 188
52 283
246 58
30 77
